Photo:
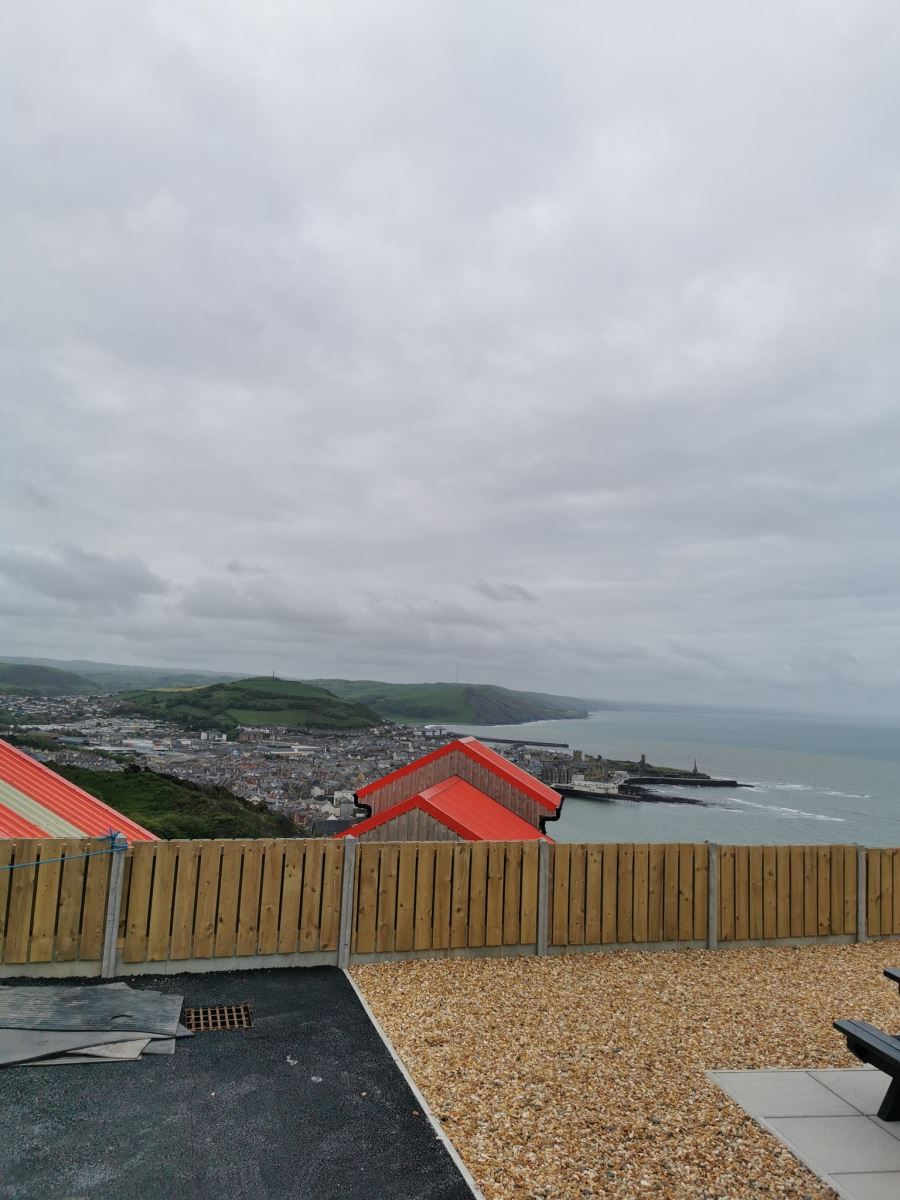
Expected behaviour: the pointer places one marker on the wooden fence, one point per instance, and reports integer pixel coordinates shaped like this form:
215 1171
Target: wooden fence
186 902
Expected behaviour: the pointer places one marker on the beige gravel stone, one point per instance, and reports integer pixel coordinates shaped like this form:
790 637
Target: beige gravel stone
576 1076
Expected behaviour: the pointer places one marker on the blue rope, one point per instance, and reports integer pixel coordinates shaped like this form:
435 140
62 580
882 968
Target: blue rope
113 848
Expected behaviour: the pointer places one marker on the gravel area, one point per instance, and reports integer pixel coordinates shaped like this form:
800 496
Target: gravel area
584 1075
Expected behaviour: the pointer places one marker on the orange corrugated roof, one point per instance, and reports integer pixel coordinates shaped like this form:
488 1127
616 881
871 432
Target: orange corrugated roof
14 826
38 788
470 746
463 808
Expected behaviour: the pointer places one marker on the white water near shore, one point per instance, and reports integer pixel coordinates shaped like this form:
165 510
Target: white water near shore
815 779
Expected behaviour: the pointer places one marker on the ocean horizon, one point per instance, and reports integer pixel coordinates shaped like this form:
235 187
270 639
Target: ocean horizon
814 779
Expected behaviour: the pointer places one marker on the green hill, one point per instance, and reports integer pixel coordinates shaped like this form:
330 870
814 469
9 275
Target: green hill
25 679
465 703
175 808
113 677
261 701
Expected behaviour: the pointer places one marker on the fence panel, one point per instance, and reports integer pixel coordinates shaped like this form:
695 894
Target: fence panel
52 899
186 900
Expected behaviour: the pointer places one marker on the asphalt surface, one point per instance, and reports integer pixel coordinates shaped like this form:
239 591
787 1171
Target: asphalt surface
306 1104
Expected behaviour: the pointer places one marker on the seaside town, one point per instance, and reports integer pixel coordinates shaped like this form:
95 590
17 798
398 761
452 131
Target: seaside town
309 776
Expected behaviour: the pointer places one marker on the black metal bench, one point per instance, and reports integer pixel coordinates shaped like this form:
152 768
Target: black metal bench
878 1049
893 973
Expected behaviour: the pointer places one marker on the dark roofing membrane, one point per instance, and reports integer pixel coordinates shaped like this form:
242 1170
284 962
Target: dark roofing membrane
307 1104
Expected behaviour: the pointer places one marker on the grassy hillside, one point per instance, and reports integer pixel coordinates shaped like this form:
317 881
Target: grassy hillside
112 677
262 701
465 703
175 808
25 679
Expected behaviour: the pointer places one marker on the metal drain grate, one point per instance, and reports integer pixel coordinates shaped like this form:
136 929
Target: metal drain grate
219 1016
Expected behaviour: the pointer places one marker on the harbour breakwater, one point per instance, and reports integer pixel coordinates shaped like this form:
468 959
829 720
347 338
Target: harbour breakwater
642 788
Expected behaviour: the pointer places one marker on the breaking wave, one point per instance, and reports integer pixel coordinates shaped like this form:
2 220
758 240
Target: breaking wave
787 813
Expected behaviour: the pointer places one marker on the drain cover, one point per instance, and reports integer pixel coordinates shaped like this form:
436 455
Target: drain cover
219 1016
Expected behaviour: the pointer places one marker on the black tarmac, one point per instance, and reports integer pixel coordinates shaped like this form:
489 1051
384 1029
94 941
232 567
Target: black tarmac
307 1104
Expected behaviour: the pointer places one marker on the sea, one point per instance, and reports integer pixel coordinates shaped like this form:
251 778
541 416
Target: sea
811 779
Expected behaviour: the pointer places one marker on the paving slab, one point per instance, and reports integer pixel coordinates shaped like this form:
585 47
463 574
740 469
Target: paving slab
307 1104
827 1118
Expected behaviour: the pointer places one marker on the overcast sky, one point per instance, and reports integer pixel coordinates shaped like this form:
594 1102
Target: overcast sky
553 342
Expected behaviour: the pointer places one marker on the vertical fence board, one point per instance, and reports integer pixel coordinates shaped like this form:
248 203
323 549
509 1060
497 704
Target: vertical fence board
93 917
593 886
332 880
248 907
6 878
577 868
207 899
624 921
850 889
424 896
406 897
493 932
610 892
270 896
512 894
741 893
369 854
796 891
528 932
478 866
837 889
670 902
229 890
387 899
459 908
810 891
769 892
685 892
443 880
896 874
311 897
21 899
640 905
873 897
757 887
559 893
887 891
142 856
188 861
46 901
71 893
291 895
701 891
782 891
726 893
161 902
656 871
823 885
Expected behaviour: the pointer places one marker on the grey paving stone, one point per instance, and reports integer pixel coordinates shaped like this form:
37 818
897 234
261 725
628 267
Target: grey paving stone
873 1185
783 1094
863 1089
830 1145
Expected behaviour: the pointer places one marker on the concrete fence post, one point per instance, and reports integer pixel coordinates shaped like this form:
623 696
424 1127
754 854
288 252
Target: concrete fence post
712 897
543 897
862 893
113 907
347 881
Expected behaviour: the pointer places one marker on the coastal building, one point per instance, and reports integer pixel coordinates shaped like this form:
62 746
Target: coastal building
463 791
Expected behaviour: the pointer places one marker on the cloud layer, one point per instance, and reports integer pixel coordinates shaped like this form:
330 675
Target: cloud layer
377 340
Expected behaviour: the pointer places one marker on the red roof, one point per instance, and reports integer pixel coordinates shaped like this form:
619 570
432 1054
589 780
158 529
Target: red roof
36 802
469 812
478 752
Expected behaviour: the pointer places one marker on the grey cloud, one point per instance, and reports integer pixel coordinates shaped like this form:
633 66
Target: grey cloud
83 579
503 592
327 312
